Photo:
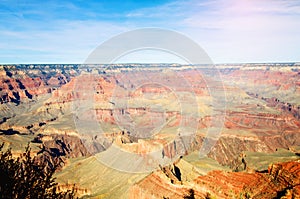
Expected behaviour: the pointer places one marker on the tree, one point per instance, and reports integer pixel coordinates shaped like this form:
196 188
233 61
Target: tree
24 177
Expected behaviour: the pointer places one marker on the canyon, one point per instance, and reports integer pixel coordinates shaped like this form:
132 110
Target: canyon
159 131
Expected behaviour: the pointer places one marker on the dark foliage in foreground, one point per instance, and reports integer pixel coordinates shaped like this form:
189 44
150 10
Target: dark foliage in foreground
23 177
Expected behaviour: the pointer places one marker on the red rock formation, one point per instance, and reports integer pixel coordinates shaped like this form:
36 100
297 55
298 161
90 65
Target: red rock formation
282 180
16 85
281 80
58 148
57 80
157 185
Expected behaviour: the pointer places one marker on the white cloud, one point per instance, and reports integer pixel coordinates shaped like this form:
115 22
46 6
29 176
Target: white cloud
234 30
71 41
229 30
247 31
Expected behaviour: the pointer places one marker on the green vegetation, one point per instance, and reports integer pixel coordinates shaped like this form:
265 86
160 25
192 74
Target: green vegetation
23 177
209 196
101 180
245 195
261 160
203 165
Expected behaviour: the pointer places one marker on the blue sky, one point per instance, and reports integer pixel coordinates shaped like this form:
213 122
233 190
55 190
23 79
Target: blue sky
229 30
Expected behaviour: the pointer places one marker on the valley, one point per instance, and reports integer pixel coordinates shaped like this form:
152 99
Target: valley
159 130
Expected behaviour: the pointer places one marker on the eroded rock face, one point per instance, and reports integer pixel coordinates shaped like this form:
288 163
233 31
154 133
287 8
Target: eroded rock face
281 180
57 80
17 84
16 90
229 147
156 186
58 148
182 145
283 80
285 107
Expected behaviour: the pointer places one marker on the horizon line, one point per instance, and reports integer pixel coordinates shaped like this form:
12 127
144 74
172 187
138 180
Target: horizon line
152 63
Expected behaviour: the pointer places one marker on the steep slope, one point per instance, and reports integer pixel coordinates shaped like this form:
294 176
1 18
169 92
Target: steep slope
281 181
98 179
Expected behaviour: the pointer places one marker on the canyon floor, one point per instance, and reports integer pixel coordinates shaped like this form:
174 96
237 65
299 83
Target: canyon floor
159 130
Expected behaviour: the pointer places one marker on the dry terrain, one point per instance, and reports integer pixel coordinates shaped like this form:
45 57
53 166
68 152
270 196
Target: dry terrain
159 131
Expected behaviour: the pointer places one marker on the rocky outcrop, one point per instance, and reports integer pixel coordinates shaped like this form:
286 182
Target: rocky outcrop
167 182
282 80
244 120
281 181
17 84
16 90
283 177
228 148
285 107
26 82
173 173
55 149
182 145
57 80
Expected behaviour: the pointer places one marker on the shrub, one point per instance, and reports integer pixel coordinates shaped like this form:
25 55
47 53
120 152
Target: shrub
23 177
191 195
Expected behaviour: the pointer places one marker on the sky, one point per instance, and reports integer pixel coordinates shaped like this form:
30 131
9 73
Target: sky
230 31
